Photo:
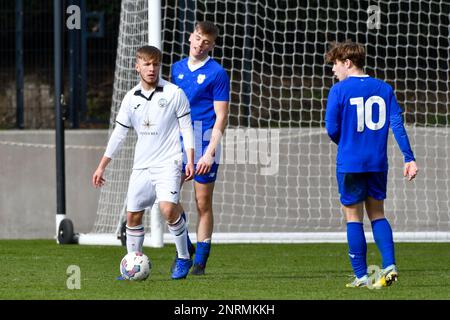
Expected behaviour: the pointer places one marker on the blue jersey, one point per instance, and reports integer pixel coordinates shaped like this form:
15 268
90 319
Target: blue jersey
203 86
360 110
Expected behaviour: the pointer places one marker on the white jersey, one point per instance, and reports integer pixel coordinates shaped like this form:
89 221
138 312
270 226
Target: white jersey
155 120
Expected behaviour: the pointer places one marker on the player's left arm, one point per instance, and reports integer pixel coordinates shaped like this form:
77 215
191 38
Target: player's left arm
410 170
187 133
396 123
183 113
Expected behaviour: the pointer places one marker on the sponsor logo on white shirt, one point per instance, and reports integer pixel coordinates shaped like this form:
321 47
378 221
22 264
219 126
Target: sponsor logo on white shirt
147 123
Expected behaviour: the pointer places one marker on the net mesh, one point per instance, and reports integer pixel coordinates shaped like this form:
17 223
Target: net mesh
283 180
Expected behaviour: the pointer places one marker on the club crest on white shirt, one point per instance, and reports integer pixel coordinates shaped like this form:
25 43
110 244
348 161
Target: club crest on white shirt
201 77
180 76
162 103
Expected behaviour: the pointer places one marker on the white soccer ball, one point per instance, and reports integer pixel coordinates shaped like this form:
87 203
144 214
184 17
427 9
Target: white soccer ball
135 266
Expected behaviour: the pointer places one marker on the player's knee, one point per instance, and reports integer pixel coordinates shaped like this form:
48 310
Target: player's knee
134 218
376 215
170 211
204 205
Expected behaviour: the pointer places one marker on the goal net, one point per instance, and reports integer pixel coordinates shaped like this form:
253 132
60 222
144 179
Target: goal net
276 181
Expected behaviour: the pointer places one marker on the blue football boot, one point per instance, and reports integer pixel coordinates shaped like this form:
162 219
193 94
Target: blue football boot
181 269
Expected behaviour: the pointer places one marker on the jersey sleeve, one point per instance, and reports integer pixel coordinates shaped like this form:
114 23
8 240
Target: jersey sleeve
123 123
332 116
398 128
183 113
115 141
123 116
187 131
221 89
182 104
173 79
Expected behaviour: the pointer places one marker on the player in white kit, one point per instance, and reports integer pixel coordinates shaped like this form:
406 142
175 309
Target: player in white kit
158 111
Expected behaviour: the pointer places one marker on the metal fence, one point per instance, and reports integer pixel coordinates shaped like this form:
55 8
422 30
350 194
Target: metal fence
26 63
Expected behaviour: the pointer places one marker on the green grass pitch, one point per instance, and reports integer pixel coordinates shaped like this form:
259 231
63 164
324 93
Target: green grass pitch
37 269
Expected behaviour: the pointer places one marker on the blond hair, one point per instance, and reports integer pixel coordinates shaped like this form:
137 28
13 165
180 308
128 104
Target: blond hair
148 53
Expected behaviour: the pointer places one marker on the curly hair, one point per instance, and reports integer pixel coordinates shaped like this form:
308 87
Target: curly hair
355 52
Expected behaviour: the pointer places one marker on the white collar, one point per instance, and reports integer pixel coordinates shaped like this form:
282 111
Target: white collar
158 87
359 75
192 67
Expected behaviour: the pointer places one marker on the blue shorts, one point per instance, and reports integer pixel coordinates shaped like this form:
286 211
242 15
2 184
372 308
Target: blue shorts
211 176
356 187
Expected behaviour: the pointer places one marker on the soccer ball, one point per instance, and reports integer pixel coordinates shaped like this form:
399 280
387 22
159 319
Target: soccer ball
135 266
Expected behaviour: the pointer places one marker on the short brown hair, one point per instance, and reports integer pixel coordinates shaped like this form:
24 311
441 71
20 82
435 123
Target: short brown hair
347 50
149 53
208 28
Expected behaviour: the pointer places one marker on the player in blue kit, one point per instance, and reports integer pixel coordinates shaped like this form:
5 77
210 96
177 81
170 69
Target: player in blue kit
207 87
360 111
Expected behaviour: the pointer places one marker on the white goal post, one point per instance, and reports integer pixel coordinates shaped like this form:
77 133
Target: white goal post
276 181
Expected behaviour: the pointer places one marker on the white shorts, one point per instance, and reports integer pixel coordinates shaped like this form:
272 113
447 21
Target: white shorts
147 185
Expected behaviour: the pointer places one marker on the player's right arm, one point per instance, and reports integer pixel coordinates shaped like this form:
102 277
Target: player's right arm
115 142
332 116
97 177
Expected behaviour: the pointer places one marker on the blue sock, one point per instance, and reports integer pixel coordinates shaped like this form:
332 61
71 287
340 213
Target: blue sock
357 248
382 234
202 253
191 247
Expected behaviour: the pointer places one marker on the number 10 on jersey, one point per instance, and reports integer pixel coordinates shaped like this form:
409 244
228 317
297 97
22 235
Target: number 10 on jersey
364 112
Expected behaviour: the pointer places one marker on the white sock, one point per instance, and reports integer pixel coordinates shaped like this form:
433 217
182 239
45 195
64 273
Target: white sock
179 231
135 238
